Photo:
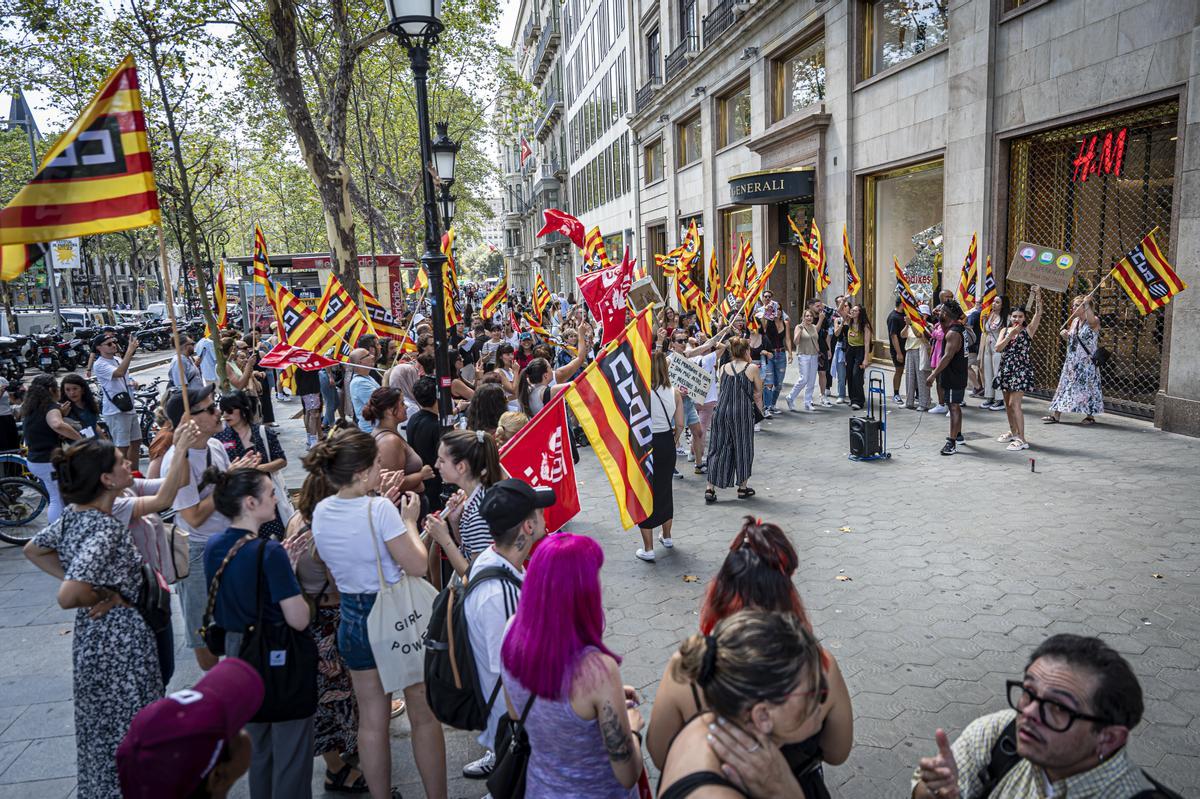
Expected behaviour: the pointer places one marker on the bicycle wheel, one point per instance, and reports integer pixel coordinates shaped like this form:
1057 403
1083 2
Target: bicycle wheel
23 506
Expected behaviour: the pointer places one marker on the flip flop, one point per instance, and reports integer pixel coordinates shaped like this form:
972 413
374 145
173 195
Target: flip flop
1088 420
1049 420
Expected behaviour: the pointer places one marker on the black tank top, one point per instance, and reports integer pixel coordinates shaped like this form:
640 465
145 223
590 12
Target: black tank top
40 438
954 376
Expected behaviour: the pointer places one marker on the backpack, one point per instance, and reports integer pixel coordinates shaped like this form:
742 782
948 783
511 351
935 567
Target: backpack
1004 758
451 680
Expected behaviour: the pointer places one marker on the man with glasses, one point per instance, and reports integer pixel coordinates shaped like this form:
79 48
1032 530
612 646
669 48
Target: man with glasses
1065 734
112 375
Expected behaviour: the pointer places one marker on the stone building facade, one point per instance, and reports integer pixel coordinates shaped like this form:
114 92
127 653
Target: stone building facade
914 124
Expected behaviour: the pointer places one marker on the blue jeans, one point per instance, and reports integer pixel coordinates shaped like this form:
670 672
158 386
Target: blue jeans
774 368
329 398
839 368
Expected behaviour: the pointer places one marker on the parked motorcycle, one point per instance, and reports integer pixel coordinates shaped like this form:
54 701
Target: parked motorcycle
47 350
12 363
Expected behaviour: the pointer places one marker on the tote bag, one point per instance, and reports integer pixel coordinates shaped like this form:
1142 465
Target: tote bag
396 625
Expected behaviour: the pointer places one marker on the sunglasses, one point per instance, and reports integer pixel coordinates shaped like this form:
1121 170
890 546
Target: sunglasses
108 341
206 409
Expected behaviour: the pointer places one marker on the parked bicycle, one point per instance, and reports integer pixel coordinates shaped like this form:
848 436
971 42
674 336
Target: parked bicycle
23 500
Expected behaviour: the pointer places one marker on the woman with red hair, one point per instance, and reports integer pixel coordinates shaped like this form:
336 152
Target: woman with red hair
584 726
757 575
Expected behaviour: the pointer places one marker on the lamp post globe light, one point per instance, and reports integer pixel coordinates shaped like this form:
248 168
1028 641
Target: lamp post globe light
417 25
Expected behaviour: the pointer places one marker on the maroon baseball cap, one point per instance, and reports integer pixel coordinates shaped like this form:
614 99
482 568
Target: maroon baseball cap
173 743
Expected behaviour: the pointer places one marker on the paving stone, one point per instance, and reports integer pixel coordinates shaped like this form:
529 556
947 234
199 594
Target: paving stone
47 719
43 759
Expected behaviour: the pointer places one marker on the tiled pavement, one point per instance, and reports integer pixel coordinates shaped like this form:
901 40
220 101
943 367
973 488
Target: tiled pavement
958 567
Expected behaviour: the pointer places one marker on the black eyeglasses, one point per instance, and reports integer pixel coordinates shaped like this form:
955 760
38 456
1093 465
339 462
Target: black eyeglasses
1055 715
108 341
209 409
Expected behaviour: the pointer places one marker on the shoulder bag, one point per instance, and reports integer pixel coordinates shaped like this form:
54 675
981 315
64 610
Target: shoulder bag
212 634
121 399
1099 357
154 601
179 559
512 756
397 623
283 501
285 658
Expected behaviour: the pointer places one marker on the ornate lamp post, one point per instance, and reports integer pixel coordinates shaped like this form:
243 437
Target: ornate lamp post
416 24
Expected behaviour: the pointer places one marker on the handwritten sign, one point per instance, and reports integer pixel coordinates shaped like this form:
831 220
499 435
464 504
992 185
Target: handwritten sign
1042 266
687 374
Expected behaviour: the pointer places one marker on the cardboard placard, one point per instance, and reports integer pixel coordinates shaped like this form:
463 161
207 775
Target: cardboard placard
644 293
1043 266
686 374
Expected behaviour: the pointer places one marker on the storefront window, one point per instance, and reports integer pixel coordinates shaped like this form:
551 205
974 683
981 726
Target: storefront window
901 205
687 150
656 244
734 113
737 224
800 79
897 30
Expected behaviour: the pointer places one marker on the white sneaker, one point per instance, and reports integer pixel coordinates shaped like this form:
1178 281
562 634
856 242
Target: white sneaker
808 408
896 399
666 542
644 555
791 403
939 409
690 456
825 403
482 768
758 428
840 401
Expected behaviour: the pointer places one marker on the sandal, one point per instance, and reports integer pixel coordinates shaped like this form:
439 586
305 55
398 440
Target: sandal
1049 420
336 783
745 493
1088 420
710 496
1006 437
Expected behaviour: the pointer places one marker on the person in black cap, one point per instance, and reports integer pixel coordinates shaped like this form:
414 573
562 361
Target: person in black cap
514 511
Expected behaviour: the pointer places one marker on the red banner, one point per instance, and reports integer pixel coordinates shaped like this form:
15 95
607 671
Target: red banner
540 454
604 291
284 355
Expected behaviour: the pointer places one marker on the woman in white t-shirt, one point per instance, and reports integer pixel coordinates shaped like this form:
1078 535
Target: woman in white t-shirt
666 426
352 529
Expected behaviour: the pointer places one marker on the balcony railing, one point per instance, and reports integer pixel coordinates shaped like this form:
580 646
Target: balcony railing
719 20
681 55
645 94
532 28
552 240
547 46
553 104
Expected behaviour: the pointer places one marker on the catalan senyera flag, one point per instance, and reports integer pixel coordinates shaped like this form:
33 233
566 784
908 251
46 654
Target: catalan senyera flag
381 318
737 273
1147 277
420 282
300 326
338 310
712 278
908 299
221 299
970 272
817 260
689 294
450 280
805 254
541 298
689 250
755 289
751 269
989 293
593 250
16 259
611 401
491 303
853 281
97 178
262 265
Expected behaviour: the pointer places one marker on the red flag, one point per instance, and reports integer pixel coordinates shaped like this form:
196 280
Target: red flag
604 291
540 454
561 222
282 356
526 150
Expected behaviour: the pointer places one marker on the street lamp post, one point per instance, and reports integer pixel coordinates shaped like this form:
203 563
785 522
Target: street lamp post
416 24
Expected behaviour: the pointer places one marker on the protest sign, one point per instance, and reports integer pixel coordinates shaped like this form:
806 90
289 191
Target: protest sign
1042 266
687 374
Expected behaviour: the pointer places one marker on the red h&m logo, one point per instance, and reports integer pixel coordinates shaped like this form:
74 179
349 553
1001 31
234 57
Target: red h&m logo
1097 155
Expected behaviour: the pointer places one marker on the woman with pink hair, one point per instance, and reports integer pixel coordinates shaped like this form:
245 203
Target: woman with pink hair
583 724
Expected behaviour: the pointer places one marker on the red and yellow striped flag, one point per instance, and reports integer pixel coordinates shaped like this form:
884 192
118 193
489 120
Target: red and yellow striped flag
909 300
262 265
1147 277
541 298
221 299
300 326
97 178
970 271
338 310
853 281
816 259
420 282
450 280
16 259
735 281
491 303
381 318
990 292
593 250
688 293
615 415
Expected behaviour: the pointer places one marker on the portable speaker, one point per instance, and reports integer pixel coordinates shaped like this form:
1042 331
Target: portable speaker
865 436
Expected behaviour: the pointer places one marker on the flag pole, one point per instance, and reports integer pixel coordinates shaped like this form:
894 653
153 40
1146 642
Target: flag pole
166 276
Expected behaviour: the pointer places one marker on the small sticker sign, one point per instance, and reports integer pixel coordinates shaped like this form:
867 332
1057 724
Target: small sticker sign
1043 266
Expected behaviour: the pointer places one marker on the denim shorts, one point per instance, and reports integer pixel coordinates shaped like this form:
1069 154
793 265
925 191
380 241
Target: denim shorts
690 415
353 643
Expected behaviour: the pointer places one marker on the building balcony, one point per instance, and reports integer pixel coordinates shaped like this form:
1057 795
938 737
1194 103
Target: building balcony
721 19
553 240
548 177
645 94
553 104
533 27
682 55
547 47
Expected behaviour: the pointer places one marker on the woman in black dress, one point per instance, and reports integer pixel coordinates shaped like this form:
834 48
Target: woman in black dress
1016 367
666 427
731 445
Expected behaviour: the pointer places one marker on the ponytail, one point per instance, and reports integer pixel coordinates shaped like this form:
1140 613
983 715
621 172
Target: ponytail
234 486
78 467
332 464
530 377
478 450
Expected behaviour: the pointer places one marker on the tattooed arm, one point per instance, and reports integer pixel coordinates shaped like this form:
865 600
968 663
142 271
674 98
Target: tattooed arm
617 722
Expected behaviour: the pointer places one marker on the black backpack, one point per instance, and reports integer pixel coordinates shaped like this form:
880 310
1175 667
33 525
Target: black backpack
451 680
1004 758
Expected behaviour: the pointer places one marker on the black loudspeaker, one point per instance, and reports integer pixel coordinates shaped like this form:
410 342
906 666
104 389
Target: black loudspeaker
866 437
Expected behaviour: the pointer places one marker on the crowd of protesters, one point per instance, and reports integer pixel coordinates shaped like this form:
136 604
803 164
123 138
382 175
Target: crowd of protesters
751 704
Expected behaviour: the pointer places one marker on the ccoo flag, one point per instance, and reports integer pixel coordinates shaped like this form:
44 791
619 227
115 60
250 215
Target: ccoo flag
381 318
1147 277
97 178
908 299
300 326
338 310
970 271
853 281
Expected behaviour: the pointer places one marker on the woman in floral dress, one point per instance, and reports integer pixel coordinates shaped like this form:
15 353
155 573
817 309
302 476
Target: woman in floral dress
115 660
1016 367
1079 384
